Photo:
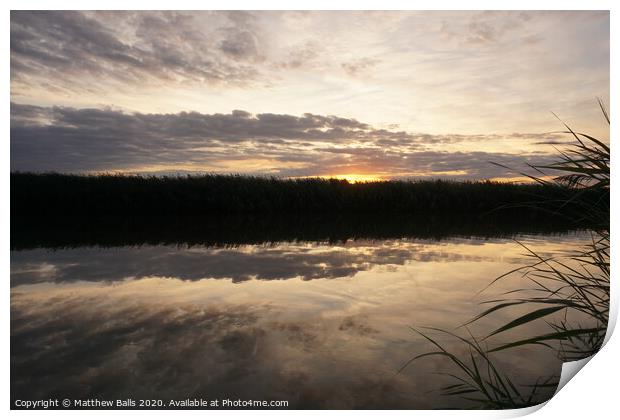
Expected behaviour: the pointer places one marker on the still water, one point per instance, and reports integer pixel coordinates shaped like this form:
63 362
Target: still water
320 325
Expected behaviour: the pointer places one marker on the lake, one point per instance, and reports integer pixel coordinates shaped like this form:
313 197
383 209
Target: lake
318 324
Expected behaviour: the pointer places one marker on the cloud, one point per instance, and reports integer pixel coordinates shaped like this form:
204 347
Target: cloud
360 65
491 27
240 45
301 56
439 71
89 140
61 48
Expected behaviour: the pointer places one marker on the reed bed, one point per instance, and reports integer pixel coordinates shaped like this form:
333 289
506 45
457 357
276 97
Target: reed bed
110 196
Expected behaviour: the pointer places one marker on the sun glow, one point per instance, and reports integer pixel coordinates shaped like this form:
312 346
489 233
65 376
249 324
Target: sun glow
520 179
355 178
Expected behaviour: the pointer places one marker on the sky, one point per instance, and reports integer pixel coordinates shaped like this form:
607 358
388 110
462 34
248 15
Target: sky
356 95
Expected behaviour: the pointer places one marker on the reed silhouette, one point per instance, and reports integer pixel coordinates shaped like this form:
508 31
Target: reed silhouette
68 210
570 294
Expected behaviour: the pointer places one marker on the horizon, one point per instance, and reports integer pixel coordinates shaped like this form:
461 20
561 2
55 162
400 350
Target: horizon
350 178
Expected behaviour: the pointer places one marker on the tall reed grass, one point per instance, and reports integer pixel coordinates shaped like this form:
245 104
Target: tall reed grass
171 196
571 294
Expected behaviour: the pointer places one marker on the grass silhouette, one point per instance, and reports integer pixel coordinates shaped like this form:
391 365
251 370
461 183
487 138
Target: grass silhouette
563 289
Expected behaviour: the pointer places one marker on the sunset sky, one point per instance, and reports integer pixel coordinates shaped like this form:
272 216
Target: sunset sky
359 95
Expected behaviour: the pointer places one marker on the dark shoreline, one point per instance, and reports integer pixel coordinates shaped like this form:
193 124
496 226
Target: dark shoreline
53 210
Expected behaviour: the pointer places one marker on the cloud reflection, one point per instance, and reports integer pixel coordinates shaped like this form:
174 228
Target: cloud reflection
77 330
262 262
159 351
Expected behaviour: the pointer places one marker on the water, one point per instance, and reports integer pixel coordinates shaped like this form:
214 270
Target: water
320 325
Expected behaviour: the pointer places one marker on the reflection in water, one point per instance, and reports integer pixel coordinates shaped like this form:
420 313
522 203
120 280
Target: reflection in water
126 322
307 261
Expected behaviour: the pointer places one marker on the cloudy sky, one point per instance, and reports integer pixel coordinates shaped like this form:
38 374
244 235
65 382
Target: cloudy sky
360 95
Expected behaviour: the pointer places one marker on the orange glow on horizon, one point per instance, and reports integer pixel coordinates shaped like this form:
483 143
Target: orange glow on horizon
355 178
520 179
